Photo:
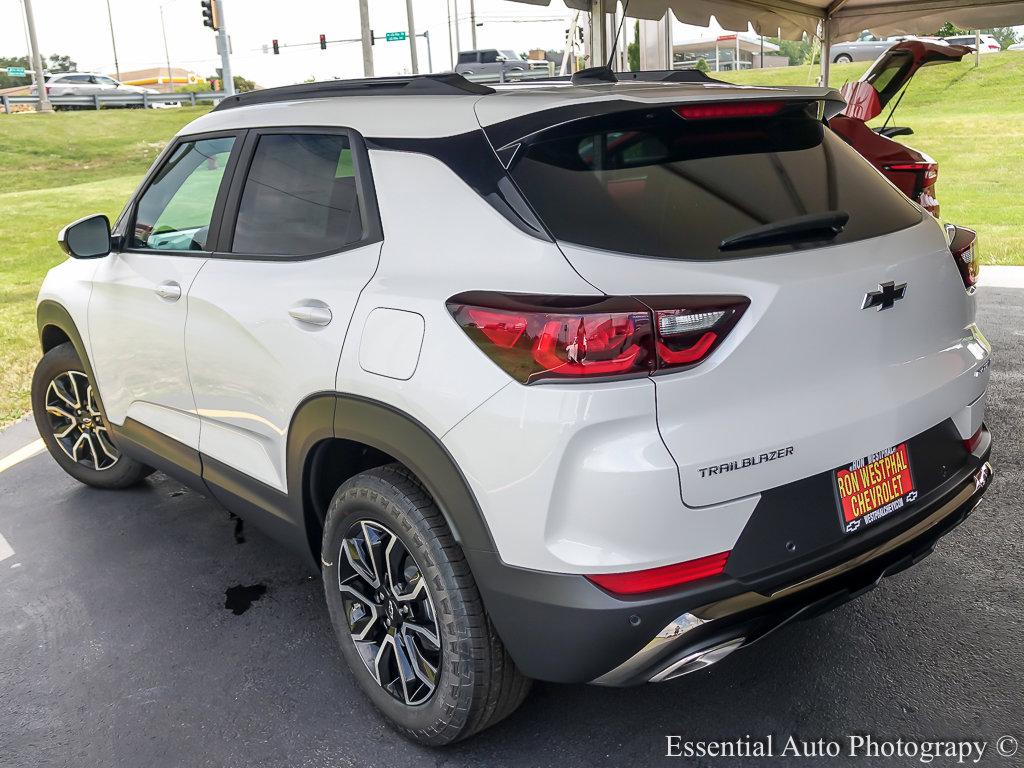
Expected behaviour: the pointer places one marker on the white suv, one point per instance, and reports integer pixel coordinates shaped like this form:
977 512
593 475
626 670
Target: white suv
582 381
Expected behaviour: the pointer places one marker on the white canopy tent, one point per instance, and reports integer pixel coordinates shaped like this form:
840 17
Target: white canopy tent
829 20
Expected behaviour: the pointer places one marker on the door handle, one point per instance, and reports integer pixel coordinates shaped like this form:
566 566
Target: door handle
169 290
312 314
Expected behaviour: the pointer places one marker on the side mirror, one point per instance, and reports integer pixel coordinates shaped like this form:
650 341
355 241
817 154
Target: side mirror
87 238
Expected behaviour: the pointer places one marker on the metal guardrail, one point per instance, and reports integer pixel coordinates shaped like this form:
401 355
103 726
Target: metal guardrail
98 100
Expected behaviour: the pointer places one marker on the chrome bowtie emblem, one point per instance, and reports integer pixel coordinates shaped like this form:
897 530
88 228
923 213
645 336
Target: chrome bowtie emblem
885 297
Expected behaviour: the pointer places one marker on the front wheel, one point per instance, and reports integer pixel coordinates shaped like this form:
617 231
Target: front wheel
842 58
72 425
408 614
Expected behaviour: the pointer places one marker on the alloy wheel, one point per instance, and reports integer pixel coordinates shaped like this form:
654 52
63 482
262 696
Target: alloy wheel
76 422
390 614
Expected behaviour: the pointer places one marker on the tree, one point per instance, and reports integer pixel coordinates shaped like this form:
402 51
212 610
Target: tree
56 64
62 64
702 65
1006 36
797 51
633 50
242 85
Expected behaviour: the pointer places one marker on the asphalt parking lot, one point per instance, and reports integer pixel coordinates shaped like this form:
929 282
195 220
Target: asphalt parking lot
149 628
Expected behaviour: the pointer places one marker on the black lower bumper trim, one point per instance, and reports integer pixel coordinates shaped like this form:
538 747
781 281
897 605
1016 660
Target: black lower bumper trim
562 628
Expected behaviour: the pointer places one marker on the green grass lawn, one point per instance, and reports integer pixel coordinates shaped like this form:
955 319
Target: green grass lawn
56 168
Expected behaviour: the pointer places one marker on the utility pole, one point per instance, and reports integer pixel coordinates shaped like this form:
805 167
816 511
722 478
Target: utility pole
113 42
224 46
167 51
412 37
451 49
367 38
43 105
472 22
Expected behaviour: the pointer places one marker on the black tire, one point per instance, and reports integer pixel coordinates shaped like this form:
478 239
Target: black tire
100 463
842 58
477 683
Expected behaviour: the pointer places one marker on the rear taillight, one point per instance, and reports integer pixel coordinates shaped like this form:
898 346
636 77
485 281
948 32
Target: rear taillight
974 440
550 337
963 244
654 579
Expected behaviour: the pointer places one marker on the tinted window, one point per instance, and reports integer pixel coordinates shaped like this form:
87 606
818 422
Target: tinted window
488 57
467 58
75 79
654 184
174 212
300 197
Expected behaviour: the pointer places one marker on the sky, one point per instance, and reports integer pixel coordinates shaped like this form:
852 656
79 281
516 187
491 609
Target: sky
80 29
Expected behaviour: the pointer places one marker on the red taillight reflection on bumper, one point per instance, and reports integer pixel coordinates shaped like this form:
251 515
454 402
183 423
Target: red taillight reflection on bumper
653 579
555 337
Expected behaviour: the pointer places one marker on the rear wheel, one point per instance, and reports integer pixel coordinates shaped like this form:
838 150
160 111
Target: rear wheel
72 425
408 615
842 58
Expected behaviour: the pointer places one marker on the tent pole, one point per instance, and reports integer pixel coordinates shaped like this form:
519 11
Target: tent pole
977 47
826 50
598 34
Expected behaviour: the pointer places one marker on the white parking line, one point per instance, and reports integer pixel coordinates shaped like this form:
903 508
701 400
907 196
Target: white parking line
6 550
18 456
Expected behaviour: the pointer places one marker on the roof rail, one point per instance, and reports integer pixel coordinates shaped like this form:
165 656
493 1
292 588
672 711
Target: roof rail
668 76
447 84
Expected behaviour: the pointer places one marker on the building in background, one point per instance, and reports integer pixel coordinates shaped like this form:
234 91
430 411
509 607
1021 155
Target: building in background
157 79
726 52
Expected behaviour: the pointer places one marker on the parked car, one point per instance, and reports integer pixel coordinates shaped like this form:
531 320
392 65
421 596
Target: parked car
988 43
90 84
490 61
912 171
867 47
1016 47
598 383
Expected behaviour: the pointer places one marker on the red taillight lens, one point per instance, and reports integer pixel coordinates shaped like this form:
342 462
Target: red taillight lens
548 337
729 109
685 337
974 440
963 244
652 580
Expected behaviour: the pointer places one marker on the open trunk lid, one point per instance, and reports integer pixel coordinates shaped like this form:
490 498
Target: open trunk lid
867 97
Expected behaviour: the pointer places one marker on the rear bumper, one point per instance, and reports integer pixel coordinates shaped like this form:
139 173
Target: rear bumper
562 628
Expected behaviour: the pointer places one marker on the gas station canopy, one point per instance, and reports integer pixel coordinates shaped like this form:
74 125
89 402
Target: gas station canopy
844 18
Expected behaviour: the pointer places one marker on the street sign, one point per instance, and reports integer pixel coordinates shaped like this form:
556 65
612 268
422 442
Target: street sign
394 37
18 71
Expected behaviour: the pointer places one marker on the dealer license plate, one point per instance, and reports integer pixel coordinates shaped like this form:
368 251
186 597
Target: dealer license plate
872 488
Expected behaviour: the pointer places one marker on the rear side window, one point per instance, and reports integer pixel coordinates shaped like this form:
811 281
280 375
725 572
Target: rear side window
655 184
467 58
300 197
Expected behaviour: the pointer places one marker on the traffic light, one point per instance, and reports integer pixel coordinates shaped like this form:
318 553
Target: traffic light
211 18
323 42
277 49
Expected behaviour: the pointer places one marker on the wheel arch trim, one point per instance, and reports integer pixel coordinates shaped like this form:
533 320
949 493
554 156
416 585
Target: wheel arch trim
333 415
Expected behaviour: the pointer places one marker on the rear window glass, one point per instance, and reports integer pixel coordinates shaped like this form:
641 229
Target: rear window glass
654 184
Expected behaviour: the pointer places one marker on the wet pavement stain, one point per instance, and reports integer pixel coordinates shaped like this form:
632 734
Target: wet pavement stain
239 528
239 599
